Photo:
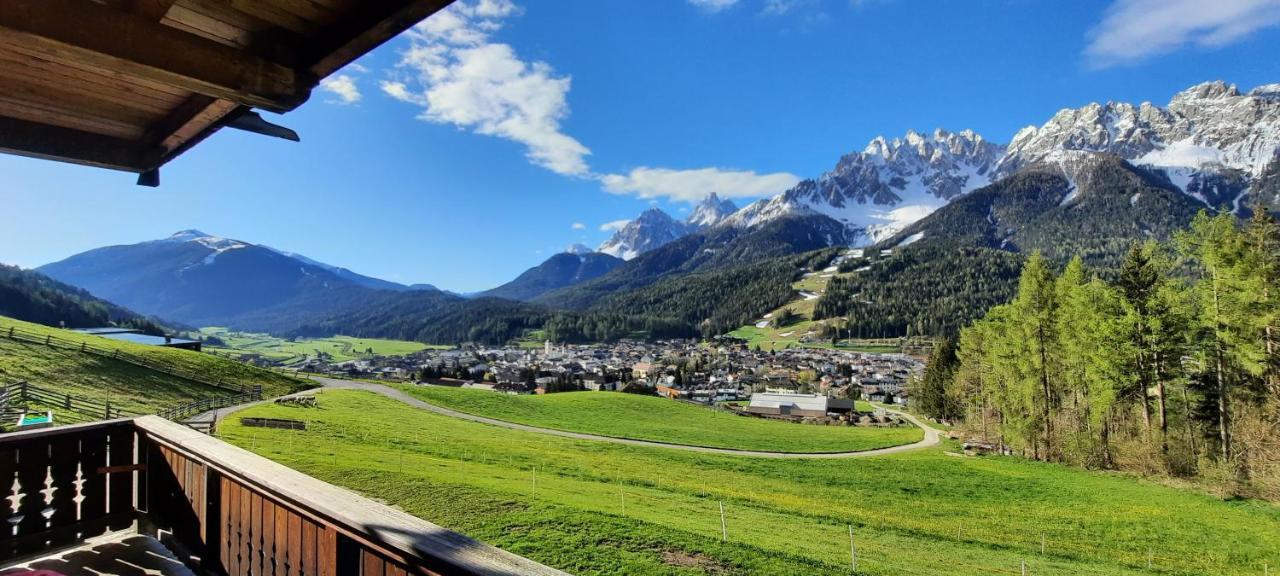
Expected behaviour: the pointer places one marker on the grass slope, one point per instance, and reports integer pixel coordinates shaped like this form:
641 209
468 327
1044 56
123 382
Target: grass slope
339 348
129 387
661 420
605 509
770 336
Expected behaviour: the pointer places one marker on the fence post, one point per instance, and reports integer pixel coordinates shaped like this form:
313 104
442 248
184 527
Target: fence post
67 403
108 414
724 529
853 551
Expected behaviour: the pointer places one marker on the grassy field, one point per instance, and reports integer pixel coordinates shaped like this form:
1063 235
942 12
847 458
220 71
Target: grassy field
605 509
126 386
339 348
660 419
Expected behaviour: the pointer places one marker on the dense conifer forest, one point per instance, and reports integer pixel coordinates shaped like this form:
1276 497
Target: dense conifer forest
1152 370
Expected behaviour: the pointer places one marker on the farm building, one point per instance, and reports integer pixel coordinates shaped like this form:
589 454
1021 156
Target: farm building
797 405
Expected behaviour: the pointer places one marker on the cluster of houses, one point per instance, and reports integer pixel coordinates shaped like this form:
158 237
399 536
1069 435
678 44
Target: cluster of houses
690 370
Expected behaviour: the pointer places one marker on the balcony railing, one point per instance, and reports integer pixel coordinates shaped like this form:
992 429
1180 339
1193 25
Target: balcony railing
221 509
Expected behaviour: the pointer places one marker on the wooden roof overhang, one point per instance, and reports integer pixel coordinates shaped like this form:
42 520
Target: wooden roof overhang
131 84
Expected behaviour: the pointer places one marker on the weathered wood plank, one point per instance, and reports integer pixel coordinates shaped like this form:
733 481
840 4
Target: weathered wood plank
282 541
364 27
268 537
140 47
372 564
256 555
295 544
327 551
308 549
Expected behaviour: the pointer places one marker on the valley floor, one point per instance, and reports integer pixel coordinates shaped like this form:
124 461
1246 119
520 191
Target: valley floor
660 420
599 508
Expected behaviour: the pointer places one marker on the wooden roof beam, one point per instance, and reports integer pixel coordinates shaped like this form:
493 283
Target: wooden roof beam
369 25
134 44
36 140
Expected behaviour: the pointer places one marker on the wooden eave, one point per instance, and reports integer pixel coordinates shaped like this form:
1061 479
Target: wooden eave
131 84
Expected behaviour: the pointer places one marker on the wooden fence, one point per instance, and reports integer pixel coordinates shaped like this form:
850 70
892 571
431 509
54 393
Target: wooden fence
169 368
21 393
179 413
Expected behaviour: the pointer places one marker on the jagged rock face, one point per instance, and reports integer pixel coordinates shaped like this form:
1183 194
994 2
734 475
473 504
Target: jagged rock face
1211 141
888 185
711 211
652 229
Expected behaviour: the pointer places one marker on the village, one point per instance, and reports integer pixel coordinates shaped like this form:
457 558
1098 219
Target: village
791 383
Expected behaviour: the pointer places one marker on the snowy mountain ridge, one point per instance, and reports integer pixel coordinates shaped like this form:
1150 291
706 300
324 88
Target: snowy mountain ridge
1211 141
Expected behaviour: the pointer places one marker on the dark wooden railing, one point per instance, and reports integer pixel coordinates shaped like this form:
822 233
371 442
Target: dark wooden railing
92 463
224 510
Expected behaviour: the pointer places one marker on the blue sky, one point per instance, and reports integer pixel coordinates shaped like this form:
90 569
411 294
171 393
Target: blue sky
498 133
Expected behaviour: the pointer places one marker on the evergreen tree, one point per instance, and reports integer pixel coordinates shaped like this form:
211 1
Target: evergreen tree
931 394
1034 323
1228 299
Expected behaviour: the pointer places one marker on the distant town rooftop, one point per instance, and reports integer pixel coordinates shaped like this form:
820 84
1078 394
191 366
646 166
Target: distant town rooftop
131 84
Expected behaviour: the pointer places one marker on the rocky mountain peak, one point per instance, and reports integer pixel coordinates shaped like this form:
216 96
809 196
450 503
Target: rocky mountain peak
711 211
889 184
653 228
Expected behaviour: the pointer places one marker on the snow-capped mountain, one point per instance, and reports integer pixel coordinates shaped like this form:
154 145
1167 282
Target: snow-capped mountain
578 249
1211 141
888 185
652 229
711 211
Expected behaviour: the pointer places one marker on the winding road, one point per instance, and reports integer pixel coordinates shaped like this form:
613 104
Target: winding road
931 435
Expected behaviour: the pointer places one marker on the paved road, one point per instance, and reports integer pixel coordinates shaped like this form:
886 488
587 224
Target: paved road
931 436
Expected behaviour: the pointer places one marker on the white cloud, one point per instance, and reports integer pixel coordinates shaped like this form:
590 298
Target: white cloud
1134 30
462 78
342 86
579 226
614 226
694 185
779 7
713 5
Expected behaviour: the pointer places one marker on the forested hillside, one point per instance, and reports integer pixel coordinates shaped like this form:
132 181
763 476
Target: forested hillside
1153 370
558 271
715 248
926 288
34 297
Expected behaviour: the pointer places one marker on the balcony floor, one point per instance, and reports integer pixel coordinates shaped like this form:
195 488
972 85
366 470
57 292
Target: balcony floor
121 553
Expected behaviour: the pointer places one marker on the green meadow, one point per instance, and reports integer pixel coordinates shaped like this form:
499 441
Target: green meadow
126 386
661 420
596 508
339 348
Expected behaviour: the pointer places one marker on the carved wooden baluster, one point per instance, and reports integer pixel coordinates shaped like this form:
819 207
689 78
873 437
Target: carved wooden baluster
65 468
33 472
9 502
